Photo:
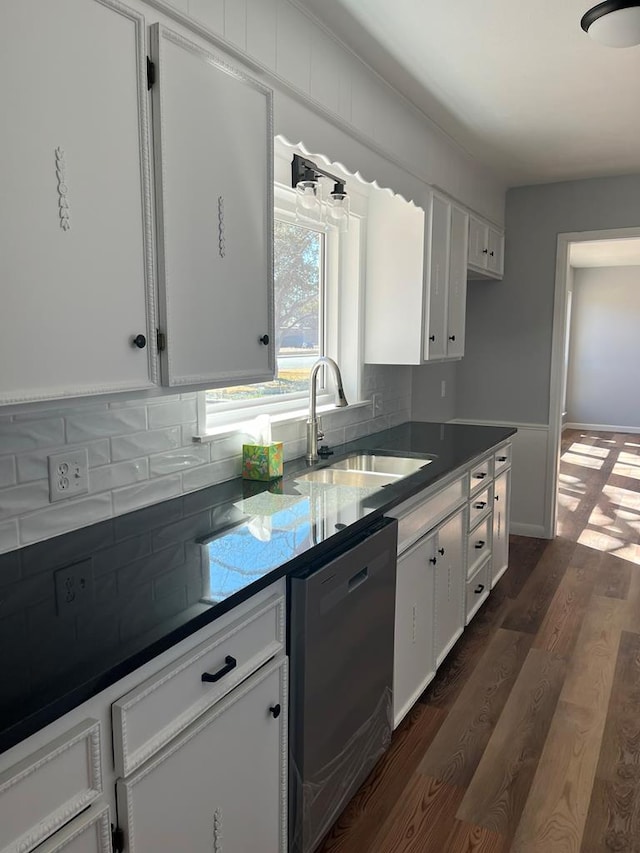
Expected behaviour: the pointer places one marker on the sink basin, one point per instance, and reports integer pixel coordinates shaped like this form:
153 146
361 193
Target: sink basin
340 477
396 466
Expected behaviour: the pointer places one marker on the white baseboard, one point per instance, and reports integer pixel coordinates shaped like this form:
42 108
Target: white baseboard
537 531
603 428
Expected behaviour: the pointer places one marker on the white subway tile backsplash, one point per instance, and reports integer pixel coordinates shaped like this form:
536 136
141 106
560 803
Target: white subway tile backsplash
216 472
230 446
142 443
20 499
33 466
15 437
170 414
148 492
9 540
178 460
121 474
83 426
7 471
188 431
62 517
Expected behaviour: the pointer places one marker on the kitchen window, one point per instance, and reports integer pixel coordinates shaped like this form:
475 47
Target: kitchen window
317 312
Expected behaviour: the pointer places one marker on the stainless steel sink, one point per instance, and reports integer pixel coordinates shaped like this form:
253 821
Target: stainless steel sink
340 477
397 466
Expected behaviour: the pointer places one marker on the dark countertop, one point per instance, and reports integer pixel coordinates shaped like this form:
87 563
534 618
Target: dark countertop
157 575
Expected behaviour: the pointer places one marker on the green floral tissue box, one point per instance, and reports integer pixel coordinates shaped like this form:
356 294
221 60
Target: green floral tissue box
262 461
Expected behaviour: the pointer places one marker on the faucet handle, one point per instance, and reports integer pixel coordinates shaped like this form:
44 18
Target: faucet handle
320 430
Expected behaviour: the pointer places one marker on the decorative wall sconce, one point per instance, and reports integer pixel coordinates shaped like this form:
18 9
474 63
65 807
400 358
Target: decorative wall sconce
305 178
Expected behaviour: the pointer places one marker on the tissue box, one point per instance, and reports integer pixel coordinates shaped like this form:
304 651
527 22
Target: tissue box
262 461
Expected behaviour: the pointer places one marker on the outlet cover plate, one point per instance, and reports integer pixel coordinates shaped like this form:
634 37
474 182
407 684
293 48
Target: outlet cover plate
68 474
74 587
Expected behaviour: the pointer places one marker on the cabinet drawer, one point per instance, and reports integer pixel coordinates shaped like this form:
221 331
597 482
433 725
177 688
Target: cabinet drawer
90 832
501 459
479 506
481 474
416 518
45 790
478 588
479 546
148 717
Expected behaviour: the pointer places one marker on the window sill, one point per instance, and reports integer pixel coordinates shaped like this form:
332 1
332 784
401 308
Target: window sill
282 418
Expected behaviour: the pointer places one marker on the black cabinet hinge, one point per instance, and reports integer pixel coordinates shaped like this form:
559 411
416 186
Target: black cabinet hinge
117 839
161 341
151 73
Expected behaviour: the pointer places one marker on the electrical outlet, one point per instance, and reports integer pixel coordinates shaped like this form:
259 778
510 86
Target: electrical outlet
74 587
68 474
376 401
443 388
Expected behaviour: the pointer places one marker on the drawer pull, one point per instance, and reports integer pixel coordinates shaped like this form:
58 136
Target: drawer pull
433 560
481 475
502 458
479 544
274 710
229 664
496 497
481 505
479 589
441 551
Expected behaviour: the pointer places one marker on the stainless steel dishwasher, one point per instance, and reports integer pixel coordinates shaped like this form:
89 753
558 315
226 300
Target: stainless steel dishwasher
341 675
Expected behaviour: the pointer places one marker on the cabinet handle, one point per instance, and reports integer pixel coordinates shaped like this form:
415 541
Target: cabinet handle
229 664
441 552
264 340
274 710
481 505
480 476
139 341
479 544
479 589
485 251
502 458
433 560
432 337
491 253
496 497
452 337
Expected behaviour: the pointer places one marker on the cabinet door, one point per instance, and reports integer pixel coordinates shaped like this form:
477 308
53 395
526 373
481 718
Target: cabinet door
450 584
213 140
414 663
495 257
221 784
500 547
478 249
90 832
457 296
435 345
75 252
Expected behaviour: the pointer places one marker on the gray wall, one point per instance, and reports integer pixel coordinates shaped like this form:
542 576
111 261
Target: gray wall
427 402
605 347
505 372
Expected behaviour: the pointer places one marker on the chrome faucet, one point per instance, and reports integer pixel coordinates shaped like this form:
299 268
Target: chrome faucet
313 433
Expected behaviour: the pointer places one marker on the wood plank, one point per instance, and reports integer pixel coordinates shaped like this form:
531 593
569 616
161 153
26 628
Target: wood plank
457 748
499 789
526 614
524 554
555 813
465 838
613 821
360 822
422 821
614 577
563 619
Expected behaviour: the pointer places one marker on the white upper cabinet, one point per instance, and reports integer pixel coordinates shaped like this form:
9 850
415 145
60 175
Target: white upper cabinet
213 144
486 250
416 280
75 247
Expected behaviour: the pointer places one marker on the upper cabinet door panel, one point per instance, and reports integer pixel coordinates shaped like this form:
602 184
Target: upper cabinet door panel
457 302
214 170
436 342
495 245
477 243
75 250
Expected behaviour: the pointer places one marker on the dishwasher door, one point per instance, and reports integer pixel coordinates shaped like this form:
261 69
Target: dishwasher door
341 632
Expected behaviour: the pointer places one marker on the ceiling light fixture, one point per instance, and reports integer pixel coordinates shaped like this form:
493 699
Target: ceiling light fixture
305 178
615 23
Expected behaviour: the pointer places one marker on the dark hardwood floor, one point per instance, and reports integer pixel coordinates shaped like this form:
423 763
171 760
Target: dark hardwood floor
528 739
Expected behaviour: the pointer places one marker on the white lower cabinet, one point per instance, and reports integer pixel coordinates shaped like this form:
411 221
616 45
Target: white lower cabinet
501 503
414 665
449 585
221 785
90 832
